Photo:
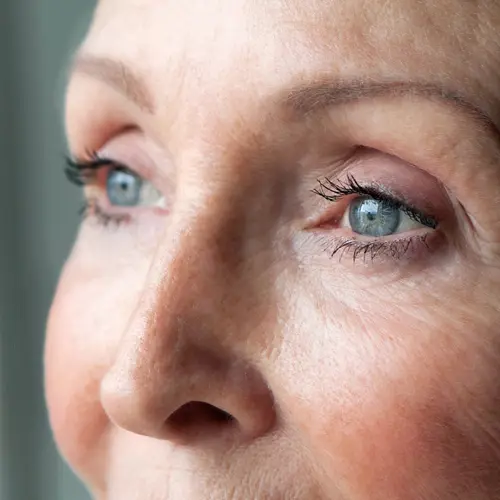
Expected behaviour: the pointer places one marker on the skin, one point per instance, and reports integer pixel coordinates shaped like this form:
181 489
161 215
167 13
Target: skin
345 380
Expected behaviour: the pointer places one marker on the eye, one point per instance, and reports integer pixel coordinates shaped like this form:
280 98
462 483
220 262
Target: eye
124 188
372 217
112 190
373 221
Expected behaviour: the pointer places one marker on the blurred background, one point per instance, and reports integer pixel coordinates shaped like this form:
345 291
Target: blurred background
38 220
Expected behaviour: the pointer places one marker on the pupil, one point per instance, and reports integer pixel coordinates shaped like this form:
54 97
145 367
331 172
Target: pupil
371 217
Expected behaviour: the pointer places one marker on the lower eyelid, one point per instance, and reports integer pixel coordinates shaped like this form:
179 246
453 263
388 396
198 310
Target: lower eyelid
98 206
347 233
93 208
411 250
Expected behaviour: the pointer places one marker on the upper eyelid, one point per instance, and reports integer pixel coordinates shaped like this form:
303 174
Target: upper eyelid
340 188
352 186
131 159
82 172
96 162
94 159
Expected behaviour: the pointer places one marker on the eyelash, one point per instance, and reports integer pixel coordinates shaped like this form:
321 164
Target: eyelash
335 190
395 249
84 173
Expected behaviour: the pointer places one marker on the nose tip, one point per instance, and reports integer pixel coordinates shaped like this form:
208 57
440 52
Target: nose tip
129 409
188 410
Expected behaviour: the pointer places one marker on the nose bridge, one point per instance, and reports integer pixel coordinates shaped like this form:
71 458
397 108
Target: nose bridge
202 251
216 263
187 285
222 226
204 257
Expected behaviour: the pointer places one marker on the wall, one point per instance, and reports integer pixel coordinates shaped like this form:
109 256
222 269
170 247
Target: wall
38 218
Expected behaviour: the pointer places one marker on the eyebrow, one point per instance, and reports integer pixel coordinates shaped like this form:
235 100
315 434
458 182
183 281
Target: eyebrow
118 76
309 98
303 99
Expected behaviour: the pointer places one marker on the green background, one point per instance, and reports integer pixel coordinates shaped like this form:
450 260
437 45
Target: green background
38 220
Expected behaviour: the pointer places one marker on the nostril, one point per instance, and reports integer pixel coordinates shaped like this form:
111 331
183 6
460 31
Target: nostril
197 417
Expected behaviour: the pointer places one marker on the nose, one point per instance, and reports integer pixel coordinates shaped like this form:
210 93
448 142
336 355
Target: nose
181 372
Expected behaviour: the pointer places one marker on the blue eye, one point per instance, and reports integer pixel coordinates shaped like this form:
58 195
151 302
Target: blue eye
371 217
123 188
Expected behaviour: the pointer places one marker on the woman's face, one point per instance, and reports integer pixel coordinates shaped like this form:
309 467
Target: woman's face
286 285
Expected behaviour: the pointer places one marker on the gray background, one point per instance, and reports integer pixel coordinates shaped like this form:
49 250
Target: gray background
38 219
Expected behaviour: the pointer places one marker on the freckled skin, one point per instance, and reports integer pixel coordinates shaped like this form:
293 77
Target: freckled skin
344 381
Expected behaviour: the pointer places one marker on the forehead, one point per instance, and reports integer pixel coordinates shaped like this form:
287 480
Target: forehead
250 48
363 24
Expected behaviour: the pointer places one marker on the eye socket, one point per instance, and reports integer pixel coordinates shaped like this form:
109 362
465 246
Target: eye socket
372 211
377 218
125 188
374 222
112 190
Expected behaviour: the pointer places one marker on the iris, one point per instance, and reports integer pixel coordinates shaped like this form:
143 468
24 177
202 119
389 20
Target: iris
123 188
370 217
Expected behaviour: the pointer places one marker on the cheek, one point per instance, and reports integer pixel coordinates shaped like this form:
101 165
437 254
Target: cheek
85 322
72 382
399 406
